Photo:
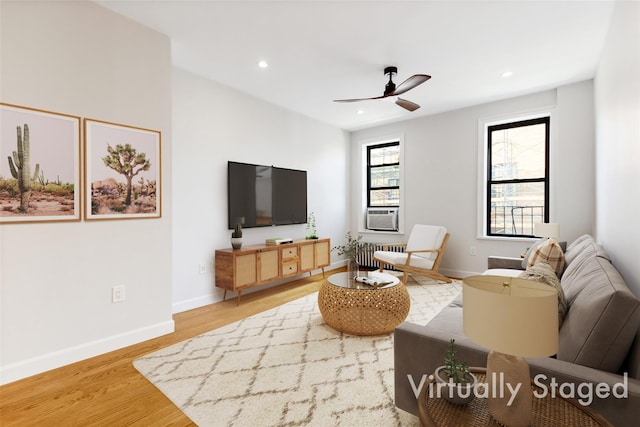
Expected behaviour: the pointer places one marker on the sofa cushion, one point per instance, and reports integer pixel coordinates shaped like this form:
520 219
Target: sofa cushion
603 315
572 279
576 247
508 272
449 320
543 272
548 252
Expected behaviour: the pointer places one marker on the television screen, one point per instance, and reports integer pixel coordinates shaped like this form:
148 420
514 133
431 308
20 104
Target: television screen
261 196
289 188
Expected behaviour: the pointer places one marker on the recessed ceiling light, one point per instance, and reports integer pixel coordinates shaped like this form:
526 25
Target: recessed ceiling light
507 74
360 112
263 64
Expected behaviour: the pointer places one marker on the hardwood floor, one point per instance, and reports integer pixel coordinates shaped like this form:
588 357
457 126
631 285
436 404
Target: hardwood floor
107 389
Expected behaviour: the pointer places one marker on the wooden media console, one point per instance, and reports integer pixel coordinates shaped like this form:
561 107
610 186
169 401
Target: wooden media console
255 265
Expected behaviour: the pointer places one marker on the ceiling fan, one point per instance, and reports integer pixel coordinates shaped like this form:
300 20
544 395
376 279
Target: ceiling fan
392 90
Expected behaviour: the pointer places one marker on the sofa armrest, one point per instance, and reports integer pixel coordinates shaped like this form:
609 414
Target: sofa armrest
504 262
419 350
618 411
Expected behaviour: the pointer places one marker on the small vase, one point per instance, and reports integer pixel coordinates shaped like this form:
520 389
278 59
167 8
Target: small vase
456 393
236 242
352 268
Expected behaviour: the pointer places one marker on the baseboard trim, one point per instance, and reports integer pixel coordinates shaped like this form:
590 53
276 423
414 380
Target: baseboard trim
201 301
36 365
192 303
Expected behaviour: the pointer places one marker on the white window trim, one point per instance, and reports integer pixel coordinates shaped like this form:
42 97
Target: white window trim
362 183
483 125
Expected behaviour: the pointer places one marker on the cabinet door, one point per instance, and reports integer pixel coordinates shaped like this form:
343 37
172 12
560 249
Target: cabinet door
307 257
245 270
322 253
268 264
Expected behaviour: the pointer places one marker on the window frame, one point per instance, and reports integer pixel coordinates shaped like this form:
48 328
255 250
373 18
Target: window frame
359 164
542 115
370 167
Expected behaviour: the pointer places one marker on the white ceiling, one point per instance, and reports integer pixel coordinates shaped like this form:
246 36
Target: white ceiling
323 50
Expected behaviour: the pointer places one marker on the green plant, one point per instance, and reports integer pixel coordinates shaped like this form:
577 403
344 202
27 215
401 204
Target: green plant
237 230
352 248
21 168
312 233
454 369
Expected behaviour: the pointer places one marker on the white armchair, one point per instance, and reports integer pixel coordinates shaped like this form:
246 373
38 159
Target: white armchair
423 253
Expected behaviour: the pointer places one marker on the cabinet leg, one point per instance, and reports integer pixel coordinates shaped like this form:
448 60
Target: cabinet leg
224 297
238 300
323 272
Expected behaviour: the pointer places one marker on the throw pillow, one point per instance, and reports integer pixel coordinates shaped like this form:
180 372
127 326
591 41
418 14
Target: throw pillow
544 273
549 252
529 251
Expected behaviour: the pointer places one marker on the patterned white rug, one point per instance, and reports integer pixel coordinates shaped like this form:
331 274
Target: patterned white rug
286 367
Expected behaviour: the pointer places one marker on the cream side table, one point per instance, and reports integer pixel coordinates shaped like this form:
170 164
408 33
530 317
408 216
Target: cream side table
359 309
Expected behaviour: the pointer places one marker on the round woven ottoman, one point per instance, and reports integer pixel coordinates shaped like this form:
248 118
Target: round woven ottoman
360 309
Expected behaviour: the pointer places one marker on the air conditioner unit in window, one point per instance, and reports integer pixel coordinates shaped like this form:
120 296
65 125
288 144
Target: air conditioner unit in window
383 219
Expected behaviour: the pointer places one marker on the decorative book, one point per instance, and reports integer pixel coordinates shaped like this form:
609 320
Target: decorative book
372 282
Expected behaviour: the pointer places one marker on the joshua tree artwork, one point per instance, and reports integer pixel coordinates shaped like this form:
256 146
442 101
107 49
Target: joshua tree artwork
40 173
125 160
122 171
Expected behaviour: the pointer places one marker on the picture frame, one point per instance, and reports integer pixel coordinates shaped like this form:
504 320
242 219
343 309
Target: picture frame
40 162
123 171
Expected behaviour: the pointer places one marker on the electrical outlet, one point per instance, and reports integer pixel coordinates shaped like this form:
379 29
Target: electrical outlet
202 268
472 251
117 293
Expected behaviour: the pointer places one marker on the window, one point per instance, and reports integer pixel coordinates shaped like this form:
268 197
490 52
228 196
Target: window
517 177
383 175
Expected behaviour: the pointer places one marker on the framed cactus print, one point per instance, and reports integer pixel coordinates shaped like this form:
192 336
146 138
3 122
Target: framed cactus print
122 171
39 165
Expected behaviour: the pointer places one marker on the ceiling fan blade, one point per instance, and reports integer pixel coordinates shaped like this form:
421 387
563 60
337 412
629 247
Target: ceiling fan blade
407 105
360 99
410 83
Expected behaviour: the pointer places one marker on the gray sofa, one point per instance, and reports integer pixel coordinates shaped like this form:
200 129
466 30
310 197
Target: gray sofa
599 339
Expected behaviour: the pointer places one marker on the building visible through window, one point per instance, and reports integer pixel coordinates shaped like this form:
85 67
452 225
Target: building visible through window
383 175
517 177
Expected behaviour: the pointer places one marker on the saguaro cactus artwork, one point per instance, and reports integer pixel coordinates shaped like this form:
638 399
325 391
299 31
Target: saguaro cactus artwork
21 168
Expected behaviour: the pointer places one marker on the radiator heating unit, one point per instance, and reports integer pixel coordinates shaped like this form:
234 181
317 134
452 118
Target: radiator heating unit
365 257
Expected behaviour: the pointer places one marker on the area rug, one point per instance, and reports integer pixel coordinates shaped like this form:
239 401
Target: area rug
286 367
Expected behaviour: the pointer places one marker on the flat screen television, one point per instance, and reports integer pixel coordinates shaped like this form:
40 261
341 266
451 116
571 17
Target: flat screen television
265 195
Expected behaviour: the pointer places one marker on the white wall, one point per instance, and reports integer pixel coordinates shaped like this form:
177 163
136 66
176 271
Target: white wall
617 94
214 124
78 58
441 164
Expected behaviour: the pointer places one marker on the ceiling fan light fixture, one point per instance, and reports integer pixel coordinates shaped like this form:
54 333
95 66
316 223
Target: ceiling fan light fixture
392 91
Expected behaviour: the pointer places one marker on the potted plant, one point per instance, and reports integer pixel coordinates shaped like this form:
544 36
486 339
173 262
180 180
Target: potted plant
312 233
351 251
236 235
458 382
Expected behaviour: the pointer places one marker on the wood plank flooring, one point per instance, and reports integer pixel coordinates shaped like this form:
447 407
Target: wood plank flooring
108 391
